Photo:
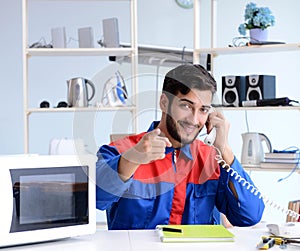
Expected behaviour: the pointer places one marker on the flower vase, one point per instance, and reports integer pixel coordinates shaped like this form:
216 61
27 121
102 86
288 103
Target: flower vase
258 35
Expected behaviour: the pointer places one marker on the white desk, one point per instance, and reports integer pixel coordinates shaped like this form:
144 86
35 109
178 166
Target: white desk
147 240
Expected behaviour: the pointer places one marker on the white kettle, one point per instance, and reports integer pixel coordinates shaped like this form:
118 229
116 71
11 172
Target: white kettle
252 149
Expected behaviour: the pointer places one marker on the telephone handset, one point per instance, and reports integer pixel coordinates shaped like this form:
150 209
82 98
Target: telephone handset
210 138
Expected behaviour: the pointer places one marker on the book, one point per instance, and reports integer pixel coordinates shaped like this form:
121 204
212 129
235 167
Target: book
278 165
194 233
277 160
283 155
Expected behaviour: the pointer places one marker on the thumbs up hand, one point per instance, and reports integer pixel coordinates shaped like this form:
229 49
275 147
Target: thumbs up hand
151 147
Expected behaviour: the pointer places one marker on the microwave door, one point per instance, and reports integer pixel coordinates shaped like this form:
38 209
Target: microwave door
49 197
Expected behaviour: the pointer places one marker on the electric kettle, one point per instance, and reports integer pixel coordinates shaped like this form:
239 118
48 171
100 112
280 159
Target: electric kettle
78 95
252 149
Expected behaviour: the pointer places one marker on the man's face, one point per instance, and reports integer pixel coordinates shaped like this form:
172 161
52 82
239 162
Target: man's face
187 115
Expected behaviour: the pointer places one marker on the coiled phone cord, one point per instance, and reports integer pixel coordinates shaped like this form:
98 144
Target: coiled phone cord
254 190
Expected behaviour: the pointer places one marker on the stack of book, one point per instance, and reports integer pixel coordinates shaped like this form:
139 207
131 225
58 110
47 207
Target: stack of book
281 160
294 205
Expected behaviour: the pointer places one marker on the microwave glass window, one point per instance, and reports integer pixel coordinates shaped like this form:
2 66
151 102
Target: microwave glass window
49 197
39 194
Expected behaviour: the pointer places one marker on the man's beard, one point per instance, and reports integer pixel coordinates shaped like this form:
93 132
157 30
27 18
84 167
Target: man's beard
173 131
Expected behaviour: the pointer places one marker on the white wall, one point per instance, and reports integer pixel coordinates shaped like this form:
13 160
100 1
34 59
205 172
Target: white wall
159 23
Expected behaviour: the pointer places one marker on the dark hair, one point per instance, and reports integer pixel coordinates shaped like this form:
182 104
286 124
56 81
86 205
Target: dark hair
185 77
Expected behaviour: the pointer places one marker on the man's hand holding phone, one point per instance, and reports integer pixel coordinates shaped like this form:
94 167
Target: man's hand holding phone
218 129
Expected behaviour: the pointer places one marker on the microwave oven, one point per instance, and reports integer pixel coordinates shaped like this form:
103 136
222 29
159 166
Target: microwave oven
46 197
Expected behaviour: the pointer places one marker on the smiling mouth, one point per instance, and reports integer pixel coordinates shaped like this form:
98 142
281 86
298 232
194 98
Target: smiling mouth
188 128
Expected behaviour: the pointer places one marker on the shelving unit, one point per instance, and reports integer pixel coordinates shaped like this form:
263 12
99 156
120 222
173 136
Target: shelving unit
28 53
133 52
243 50
215 52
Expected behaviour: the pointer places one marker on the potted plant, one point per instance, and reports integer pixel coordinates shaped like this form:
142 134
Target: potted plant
257 20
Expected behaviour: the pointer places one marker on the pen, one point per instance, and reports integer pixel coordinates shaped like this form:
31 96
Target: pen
173 230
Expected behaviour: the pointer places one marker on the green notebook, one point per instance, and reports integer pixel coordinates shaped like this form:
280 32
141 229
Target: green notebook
194 233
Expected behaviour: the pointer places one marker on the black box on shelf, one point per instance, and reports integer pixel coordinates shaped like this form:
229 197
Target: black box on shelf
233 90
260 87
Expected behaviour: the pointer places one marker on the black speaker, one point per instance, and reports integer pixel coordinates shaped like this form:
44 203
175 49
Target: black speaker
233 90
260 87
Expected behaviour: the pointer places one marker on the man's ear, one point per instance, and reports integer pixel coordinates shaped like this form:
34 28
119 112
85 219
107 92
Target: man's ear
164 102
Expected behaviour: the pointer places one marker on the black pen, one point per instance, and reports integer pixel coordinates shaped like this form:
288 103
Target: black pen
169 229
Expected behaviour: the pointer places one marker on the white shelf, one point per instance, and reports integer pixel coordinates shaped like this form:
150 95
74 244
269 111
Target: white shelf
81 109
80 52
249 49
262 108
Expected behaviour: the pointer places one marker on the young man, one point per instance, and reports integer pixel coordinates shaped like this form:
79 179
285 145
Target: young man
166 175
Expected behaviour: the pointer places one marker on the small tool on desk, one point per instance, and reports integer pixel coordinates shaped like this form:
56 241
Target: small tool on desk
266 243
278 239
284 241
269 241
